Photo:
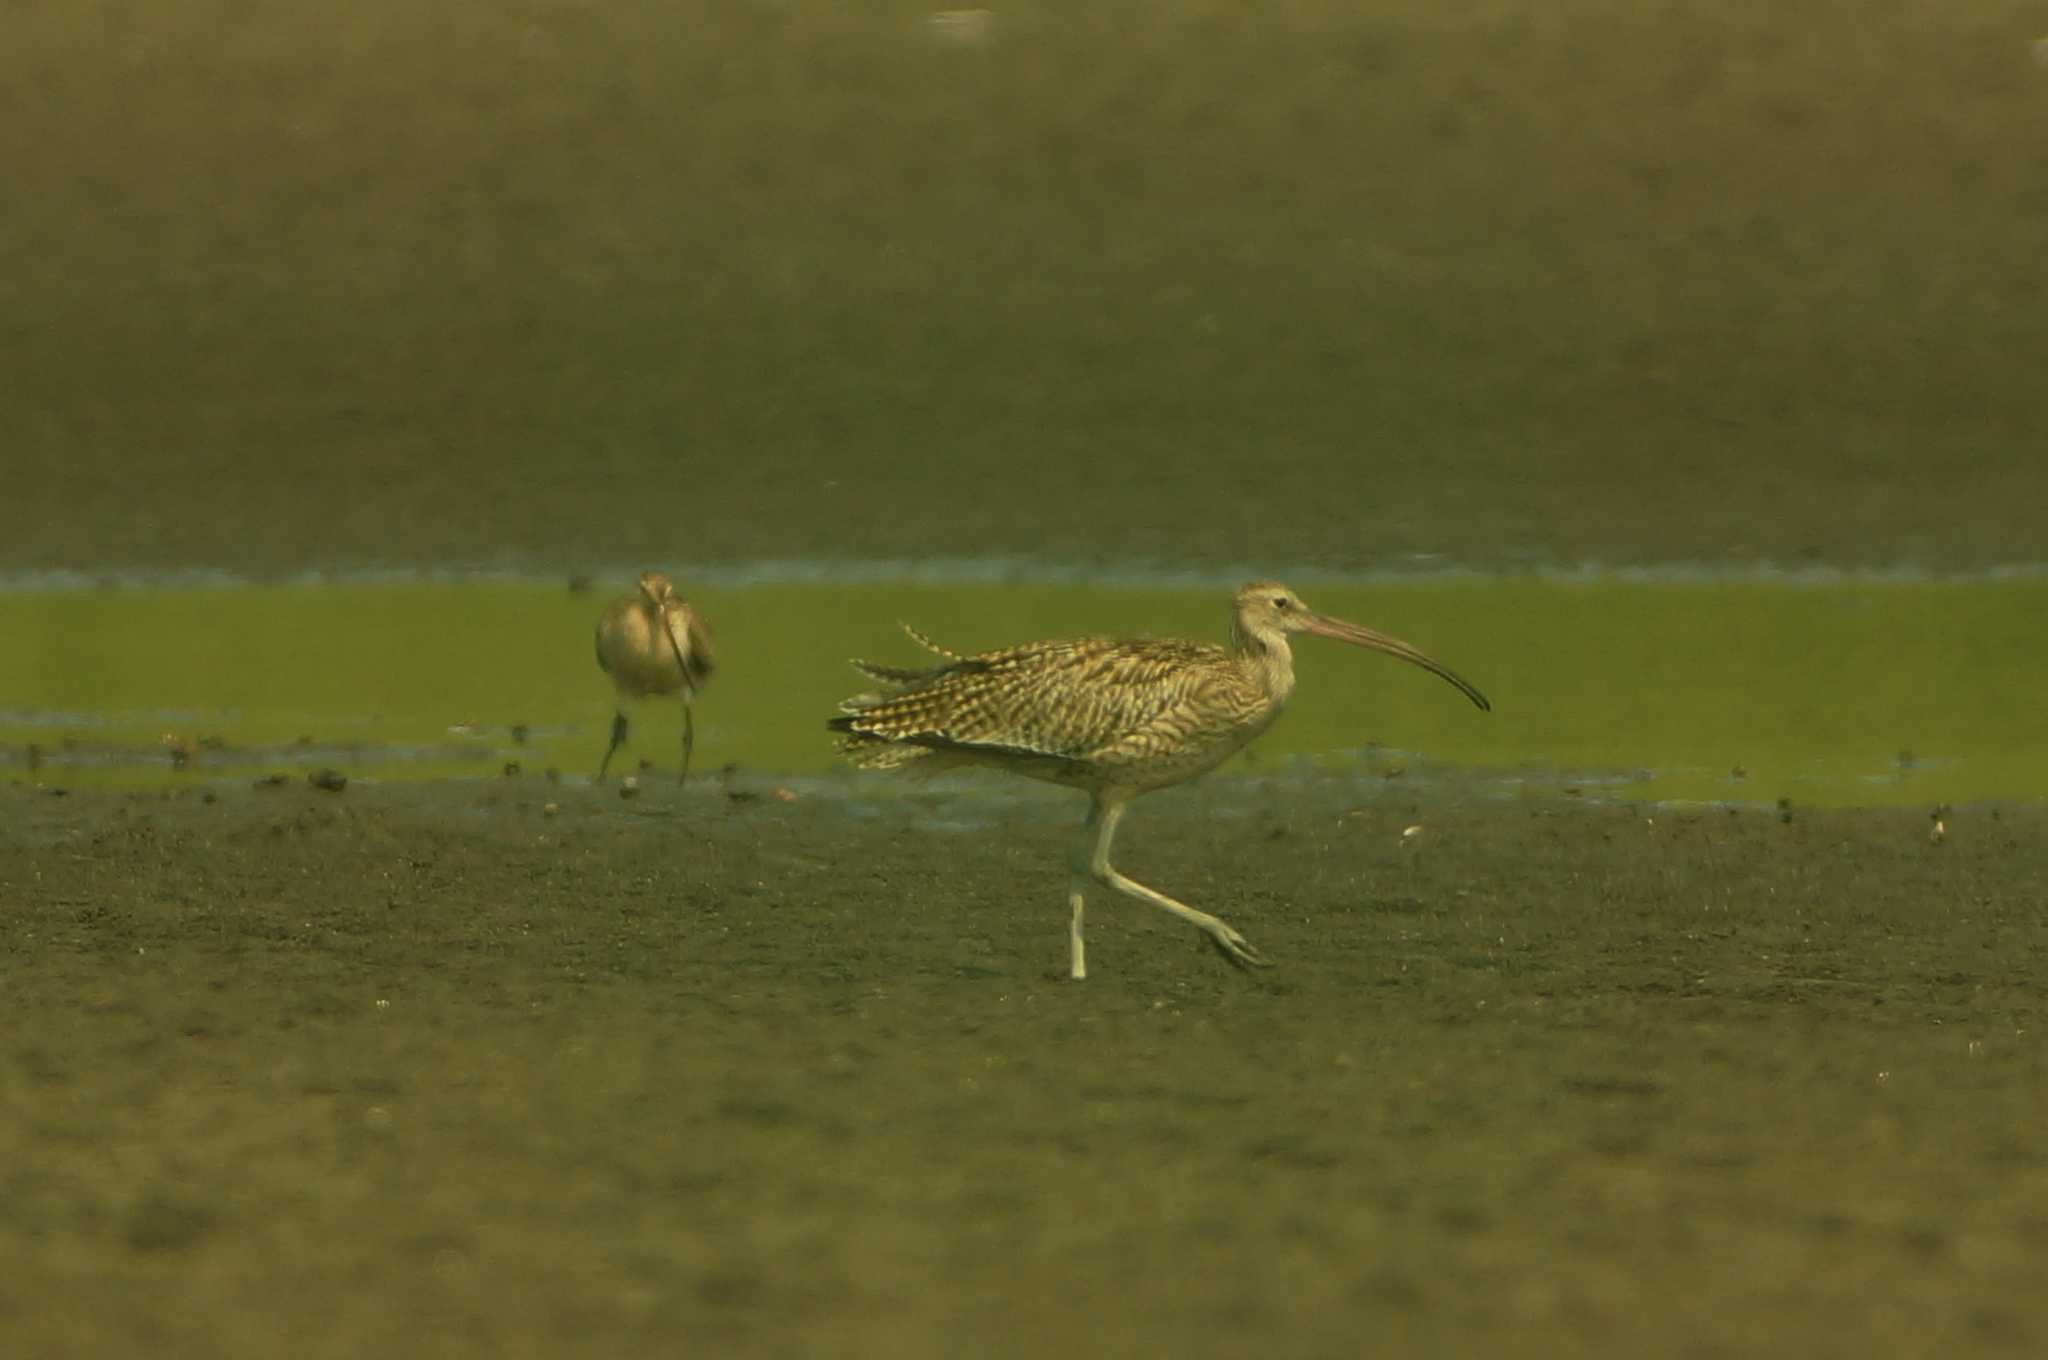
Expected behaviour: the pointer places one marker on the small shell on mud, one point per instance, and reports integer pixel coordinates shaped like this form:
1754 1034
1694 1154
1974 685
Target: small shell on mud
629 787
1410 833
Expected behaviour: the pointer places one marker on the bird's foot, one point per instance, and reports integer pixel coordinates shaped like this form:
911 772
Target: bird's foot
1237 948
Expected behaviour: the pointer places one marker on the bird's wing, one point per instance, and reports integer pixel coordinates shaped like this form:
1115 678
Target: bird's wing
1066 700
607 622
1217 711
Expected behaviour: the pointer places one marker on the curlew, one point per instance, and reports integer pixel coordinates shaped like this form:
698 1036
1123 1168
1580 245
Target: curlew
652 643
1114 717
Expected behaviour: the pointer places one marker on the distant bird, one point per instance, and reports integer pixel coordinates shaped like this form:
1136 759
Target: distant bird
652 643
1117 718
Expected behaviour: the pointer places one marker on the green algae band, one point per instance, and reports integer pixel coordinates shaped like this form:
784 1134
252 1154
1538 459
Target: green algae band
1751 691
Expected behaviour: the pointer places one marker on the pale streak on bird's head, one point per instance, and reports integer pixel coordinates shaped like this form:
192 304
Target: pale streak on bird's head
1267 611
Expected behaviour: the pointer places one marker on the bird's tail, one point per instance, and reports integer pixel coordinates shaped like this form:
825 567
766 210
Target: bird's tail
910 675
894 675
874 746
869 750
921 640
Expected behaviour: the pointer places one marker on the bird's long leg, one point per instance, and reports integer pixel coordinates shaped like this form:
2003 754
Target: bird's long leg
1079 870
618 740
1077 965
689 740
675 649
1103 817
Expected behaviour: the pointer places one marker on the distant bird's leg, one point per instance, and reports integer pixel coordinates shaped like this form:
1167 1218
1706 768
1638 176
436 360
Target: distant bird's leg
1103 817
689 739
618 740
675 649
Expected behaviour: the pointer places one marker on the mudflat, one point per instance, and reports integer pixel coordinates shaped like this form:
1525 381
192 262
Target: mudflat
429 1068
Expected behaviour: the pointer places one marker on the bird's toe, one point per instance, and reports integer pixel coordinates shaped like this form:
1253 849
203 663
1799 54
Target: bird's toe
1239 950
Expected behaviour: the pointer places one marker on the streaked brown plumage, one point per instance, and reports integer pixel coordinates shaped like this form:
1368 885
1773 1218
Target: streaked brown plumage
652 643
1115 717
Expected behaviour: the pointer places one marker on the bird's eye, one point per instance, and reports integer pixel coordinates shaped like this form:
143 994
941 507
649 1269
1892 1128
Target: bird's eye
1281 602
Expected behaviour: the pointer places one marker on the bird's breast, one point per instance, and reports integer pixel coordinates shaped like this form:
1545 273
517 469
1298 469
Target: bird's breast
638 653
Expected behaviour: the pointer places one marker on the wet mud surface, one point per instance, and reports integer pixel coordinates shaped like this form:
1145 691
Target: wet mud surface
429 1069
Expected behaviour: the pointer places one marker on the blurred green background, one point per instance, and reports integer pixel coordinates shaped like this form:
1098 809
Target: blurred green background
551 282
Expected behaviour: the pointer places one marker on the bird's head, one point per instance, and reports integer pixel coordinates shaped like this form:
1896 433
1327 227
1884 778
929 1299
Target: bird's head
1267 611
655 589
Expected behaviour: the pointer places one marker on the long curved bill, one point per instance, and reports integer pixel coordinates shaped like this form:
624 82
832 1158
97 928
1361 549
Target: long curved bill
675 646
1324 626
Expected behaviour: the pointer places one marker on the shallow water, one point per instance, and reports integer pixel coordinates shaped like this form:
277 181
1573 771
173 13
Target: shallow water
1747 691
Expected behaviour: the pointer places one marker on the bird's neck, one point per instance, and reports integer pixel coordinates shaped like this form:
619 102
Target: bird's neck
1268 654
